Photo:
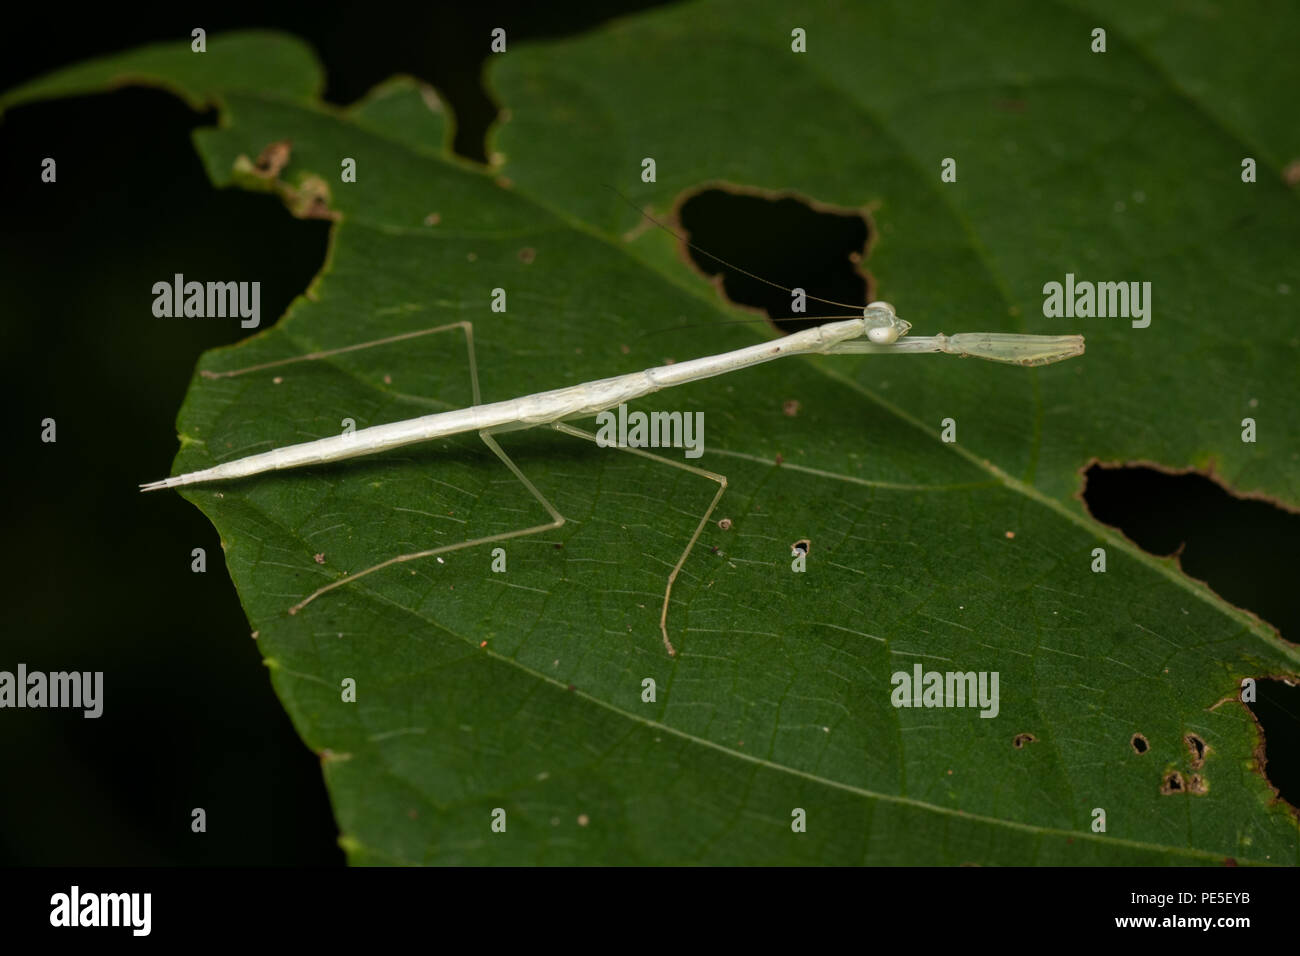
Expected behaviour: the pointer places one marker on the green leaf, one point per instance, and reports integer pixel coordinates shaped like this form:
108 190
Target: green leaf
524 690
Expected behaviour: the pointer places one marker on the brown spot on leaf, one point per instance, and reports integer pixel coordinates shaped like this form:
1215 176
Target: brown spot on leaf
310 200
803 545
1173 783
527 255
273 159
725 524
1020 740
791 408
1198 785
1139 744
1197 747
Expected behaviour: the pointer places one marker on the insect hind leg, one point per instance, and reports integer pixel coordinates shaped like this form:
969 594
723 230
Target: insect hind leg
699 529
557 519
465 325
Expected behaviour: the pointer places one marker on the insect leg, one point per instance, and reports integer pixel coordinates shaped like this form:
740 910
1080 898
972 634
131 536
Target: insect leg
557 519
313 356
712 476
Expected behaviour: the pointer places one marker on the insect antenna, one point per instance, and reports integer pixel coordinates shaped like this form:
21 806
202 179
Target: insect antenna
791 320
857 307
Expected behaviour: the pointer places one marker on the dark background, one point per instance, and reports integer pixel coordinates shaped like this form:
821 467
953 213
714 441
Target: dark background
97 577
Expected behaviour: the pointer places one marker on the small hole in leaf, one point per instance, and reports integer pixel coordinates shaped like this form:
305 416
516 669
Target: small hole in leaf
1197 747
1173 783
1139 744
1019 741
802 546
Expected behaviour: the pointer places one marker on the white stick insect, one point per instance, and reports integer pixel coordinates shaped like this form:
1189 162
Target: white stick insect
878 331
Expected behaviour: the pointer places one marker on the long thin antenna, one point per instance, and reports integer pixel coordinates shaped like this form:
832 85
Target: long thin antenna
796 317
719 259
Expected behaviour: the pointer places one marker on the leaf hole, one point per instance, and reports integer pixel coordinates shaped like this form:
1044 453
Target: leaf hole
1173 783
785 239
1020 741
1139 744
1197 747
1244 549
1276 710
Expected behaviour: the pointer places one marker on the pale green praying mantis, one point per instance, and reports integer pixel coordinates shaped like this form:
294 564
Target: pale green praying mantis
878 331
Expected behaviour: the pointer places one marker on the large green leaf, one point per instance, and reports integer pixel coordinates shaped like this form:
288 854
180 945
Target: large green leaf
523 690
